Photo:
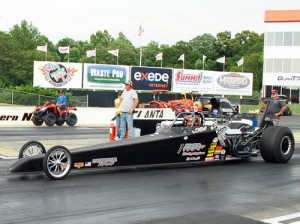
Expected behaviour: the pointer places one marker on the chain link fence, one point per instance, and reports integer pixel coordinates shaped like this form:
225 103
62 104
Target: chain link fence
16 97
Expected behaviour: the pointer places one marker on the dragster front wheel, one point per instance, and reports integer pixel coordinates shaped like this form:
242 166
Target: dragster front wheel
31 148
57 162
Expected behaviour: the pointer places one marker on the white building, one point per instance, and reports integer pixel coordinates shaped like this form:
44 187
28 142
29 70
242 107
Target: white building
282 52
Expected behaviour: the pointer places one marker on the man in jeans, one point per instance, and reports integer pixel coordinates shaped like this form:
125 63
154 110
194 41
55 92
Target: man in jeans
129 101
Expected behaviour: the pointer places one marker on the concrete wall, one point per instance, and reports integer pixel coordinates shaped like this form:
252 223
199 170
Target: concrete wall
20 116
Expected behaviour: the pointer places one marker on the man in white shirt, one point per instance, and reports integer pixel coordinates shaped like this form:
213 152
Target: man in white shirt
129 101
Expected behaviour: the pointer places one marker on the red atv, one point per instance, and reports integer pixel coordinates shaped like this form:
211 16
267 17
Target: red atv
48 113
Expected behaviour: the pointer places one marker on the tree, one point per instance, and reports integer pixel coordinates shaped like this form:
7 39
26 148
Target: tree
18 51
149 53
101 38
204 45
25 39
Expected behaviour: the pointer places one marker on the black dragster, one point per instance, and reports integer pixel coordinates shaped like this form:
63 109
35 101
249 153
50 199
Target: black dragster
191 137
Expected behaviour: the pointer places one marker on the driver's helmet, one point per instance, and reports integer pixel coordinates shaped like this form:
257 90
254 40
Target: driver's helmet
47 102
188 120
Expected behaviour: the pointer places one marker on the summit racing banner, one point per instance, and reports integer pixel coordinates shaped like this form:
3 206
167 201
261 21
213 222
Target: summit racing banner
185 80
150 78
212 82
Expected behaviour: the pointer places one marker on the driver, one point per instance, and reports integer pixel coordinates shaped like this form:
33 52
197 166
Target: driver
61 102
188 120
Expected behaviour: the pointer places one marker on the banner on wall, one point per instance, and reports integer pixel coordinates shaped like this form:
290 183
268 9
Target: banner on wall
108 77
151 78
185 80
57 75
280 79
232 83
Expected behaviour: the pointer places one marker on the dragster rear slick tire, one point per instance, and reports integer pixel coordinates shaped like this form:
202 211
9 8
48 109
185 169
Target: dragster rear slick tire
277 144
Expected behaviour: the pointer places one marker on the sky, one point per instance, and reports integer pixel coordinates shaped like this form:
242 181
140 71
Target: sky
163 21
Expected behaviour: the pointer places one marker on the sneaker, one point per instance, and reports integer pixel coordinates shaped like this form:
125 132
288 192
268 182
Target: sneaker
116 138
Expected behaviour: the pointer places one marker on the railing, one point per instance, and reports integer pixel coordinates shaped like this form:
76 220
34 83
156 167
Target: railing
16 97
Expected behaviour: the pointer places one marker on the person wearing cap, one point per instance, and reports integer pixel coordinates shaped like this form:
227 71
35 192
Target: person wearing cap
61 102
129 101
118 114
276 105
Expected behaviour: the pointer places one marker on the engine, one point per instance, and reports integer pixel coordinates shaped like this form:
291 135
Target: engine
239 141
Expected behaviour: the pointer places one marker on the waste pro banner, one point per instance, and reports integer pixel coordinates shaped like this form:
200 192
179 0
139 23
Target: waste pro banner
57 75
151 78
108 77
185 80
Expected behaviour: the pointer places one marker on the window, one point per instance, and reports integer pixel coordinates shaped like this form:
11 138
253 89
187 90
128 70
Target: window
269 41
278 38
287 65
296 39
269 65
288 39
296 66
277 65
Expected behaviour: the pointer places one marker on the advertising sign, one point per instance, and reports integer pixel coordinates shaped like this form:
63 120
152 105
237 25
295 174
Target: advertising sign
281 79
150 78
185 80
57 74
109 77
232 83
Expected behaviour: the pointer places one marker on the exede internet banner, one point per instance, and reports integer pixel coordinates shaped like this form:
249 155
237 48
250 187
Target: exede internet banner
150 78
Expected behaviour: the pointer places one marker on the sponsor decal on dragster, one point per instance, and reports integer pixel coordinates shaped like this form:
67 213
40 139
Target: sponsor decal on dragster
106 74
105 161
149 78
200 129
79 165
215 152
192 151
87 164
230 157
233 81
57 74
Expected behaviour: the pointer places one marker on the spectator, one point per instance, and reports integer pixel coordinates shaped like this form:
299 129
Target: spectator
118 114
129 101
276 105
